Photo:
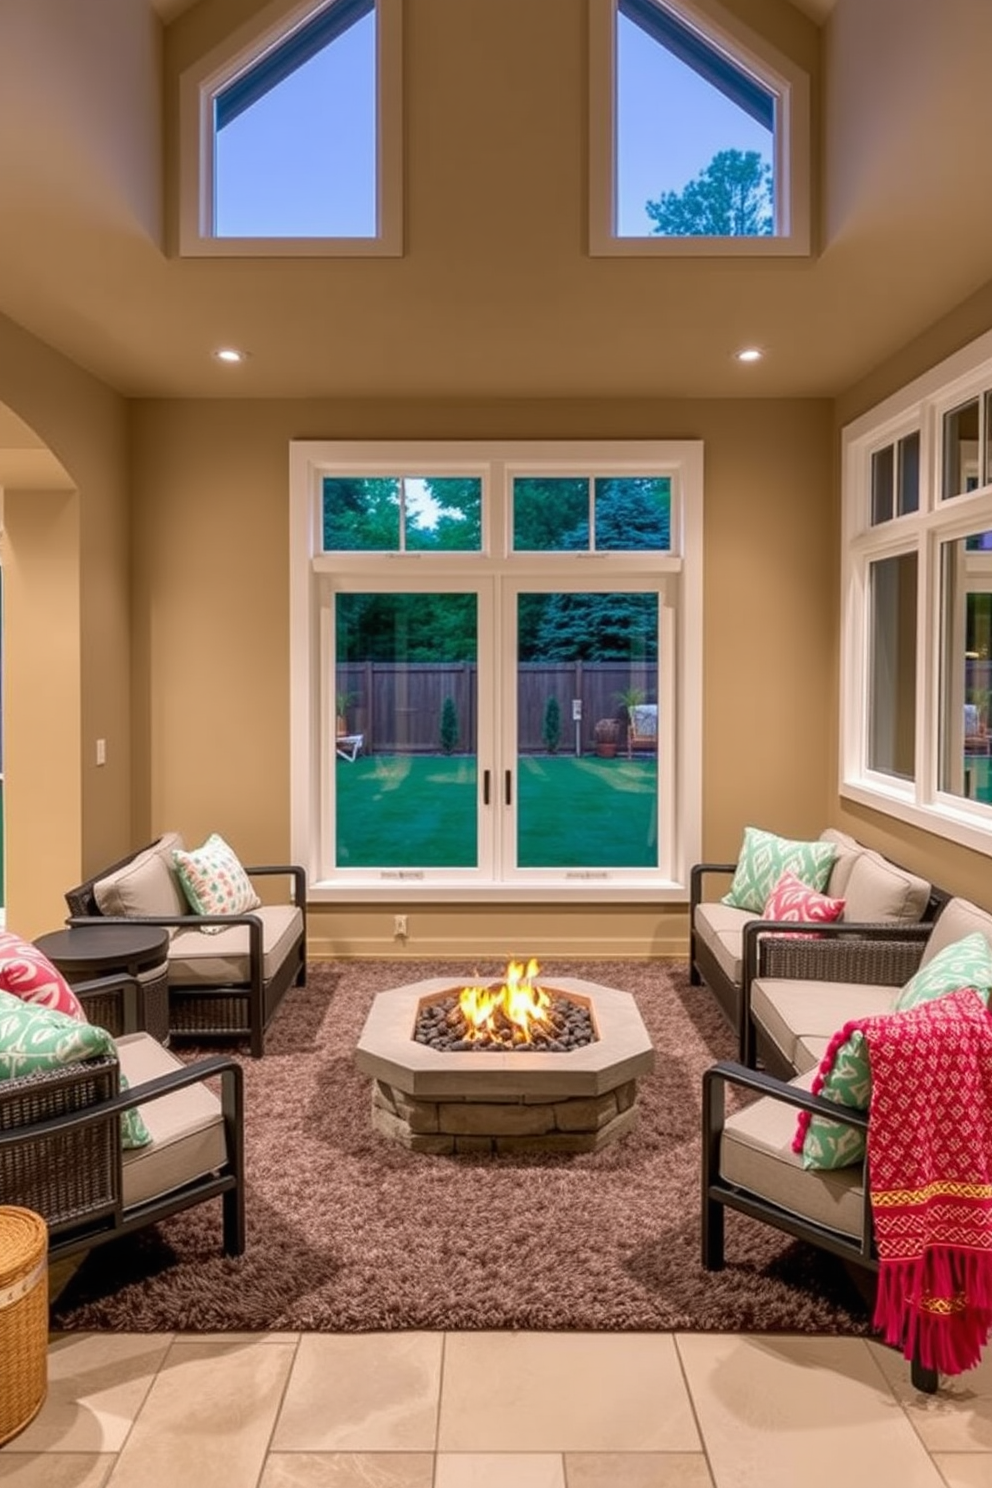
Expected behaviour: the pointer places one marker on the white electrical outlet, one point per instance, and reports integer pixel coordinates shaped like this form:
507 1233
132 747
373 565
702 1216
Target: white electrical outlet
101 751
399 926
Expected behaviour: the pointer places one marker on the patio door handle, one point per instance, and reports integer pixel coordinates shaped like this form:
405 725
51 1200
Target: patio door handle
485 787
508 788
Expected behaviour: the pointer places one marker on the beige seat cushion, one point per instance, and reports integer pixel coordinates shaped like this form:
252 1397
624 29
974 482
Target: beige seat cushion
721 929
878 890
801 1017
756 1154
148 885
221 960
958 918
187 1126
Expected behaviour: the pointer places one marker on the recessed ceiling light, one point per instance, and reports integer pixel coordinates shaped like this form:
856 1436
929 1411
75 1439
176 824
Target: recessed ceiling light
749 354
230 354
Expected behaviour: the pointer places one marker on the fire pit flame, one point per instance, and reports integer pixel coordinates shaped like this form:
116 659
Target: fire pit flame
506 1014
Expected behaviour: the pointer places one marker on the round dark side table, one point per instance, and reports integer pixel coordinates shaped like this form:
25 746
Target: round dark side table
82 953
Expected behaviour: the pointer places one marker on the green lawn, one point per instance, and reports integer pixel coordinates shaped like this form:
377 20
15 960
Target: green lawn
419 811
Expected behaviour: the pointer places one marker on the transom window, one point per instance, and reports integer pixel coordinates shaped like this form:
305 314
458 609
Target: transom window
290 140
895 479
699 135
916 701
473 710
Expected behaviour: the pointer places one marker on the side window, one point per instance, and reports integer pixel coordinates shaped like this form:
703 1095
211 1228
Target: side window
700 142
291 145
916 611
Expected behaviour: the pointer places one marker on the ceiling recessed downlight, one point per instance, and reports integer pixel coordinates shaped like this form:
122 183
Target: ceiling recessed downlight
749 354
230 354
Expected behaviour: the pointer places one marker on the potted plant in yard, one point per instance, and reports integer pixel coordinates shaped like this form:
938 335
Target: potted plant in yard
606 732
629 699
342 704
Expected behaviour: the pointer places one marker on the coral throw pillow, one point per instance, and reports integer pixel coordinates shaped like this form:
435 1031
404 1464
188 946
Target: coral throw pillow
794 901
27 973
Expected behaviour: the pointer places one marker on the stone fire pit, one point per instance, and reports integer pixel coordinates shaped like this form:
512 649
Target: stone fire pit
471 1102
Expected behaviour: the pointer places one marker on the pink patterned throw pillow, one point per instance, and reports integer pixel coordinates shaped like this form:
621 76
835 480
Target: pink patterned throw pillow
28 974
791 900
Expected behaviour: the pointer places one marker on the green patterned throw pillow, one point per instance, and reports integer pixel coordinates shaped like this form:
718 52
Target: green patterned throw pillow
214 881
33 1037
845 1074
764 857
965 963
846 1079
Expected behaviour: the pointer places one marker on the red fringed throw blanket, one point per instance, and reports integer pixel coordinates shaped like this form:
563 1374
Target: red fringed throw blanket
930 1167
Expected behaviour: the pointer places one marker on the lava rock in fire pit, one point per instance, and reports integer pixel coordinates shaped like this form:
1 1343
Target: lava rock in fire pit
565 1025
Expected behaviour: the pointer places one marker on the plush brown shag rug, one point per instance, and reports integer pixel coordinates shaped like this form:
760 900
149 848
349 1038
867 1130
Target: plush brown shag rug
349 1232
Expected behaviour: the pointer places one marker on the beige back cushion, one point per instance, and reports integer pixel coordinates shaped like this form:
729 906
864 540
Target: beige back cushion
879 890
958 918
848 851
148 885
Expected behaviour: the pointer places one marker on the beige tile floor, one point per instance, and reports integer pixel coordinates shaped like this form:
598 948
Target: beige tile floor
496 1410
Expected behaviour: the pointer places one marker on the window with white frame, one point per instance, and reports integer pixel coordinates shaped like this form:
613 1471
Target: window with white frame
290 136
476 630
699 134
916 701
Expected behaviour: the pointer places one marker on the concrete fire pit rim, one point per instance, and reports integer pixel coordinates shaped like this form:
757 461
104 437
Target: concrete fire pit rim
387 1051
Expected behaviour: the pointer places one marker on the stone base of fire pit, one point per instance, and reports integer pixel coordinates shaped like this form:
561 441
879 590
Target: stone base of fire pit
514 1102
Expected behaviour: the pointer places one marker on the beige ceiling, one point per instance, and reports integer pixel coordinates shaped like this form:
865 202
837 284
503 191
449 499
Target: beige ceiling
495 295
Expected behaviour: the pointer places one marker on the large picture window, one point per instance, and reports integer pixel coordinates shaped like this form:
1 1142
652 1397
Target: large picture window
496 670
917 613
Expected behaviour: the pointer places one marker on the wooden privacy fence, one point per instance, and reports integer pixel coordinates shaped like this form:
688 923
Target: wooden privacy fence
398 706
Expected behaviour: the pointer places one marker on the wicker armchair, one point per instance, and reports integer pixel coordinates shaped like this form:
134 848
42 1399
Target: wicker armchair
223 986
61 1152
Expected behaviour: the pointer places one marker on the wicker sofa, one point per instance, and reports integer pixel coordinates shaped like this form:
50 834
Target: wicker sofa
221 985
729 947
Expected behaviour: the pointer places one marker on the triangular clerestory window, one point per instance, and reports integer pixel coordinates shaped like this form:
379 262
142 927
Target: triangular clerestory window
297 138
700 136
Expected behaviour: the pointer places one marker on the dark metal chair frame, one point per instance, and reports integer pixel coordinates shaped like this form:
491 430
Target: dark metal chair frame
718 1194
202 1010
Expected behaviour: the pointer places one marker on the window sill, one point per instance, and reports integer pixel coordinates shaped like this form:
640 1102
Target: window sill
942 818
602 890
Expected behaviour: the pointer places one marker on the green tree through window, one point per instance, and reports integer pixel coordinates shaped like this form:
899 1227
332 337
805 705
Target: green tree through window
732 197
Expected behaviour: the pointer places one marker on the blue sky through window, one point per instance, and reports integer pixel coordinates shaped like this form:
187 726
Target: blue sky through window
670 124
301 161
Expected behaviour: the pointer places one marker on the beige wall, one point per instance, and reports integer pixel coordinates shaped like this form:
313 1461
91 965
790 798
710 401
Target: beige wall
211 632
68 595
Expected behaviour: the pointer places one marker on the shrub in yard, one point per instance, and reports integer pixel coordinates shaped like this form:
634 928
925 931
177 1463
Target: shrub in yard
552 725
449 725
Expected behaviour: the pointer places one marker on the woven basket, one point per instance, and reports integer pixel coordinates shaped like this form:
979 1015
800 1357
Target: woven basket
23 1318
